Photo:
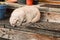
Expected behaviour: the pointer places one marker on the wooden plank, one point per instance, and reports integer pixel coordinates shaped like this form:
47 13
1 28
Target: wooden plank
40 6
45 28
22 35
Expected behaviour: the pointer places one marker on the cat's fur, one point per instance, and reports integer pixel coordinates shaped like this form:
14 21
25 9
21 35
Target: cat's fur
27 13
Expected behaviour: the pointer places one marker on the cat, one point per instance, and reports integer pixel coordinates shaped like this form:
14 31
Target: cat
27 13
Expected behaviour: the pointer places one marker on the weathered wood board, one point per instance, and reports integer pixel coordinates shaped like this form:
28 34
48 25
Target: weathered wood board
43 27
27 33
22 35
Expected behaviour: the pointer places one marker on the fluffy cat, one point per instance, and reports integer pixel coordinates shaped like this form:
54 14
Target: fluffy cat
27 13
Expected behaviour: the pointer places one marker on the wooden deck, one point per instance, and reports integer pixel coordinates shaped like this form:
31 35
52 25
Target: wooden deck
43 28
36 27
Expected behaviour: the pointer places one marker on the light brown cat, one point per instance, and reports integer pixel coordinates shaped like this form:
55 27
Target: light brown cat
30 13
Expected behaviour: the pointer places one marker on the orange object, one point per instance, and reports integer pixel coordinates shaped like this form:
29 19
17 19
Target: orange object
29 2
11 1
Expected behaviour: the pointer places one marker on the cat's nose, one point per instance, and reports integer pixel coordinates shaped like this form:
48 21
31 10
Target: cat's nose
13 25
